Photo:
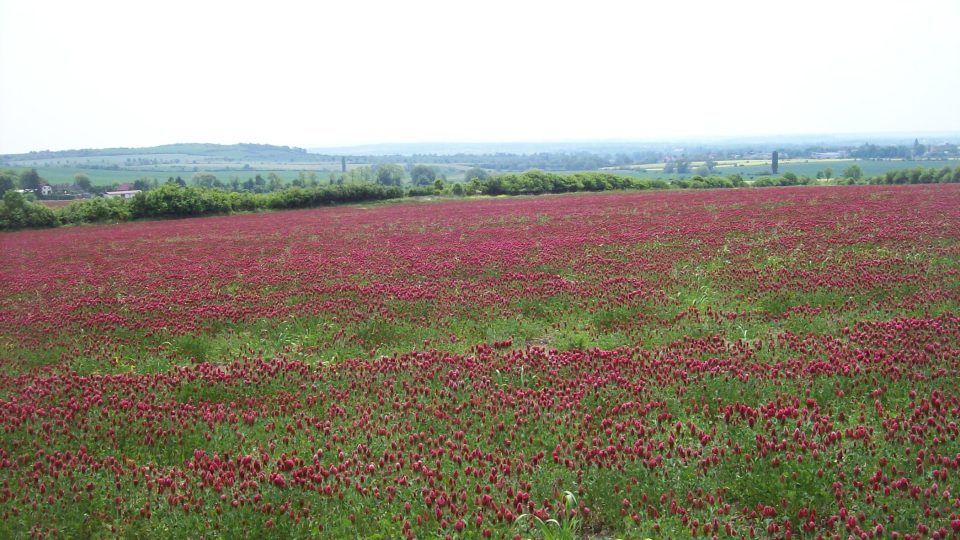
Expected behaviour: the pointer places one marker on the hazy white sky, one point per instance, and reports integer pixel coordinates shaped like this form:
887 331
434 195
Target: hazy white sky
99 73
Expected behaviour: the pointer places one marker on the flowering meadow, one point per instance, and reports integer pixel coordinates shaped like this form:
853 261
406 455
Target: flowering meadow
768 363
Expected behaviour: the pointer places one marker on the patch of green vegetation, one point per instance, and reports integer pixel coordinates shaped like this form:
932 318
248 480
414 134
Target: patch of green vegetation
192 347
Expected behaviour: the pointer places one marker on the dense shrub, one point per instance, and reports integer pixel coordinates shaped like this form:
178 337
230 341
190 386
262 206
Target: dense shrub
423 191
788 179
172 200
17 212
96 211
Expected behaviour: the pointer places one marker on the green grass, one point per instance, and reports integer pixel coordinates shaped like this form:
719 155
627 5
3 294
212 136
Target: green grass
559 321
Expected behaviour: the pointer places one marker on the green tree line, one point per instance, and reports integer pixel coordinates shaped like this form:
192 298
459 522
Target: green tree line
173 200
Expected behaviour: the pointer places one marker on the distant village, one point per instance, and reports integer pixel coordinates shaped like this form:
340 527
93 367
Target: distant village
72 191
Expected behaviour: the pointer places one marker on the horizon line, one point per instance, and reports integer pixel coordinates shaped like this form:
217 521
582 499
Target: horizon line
612 140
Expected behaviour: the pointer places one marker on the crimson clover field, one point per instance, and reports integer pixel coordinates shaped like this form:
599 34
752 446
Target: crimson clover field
737 363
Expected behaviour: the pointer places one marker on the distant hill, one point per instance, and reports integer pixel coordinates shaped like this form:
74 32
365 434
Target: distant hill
237 152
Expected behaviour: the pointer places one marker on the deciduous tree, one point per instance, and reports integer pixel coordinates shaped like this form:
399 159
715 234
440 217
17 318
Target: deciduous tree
30 179
853 172
475 173
82 181
8 181
423 175
390 174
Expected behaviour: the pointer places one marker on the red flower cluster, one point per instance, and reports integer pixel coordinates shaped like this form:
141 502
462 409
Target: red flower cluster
743 363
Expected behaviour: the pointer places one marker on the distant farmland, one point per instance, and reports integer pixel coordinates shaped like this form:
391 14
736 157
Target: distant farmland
288 171
106 177
243 161
800 167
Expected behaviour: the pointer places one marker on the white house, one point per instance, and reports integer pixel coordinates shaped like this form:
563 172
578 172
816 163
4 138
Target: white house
125 194
46 190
